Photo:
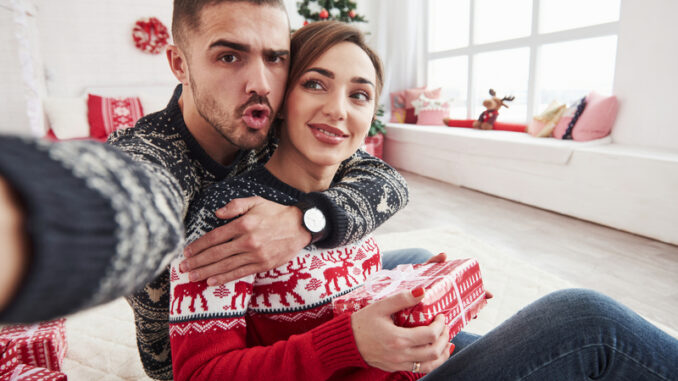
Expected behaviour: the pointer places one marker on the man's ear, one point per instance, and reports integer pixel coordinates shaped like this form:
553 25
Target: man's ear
178 63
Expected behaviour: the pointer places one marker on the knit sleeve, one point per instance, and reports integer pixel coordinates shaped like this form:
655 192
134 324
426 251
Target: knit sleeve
99 224
365 193
208 334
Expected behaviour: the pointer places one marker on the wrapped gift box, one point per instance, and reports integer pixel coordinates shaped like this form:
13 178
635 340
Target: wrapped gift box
41 345
23 372
453 288
8 356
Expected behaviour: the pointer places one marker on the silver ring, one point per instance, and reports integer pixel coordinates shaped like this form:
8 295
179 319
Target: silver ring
416 366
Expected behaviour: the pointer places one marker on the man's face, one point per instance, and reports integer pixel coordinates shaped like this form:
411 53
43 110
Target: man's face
238 61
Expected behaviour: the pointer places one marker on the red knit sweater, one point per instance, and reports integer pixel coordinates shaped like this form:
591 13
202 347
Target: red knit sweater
277 325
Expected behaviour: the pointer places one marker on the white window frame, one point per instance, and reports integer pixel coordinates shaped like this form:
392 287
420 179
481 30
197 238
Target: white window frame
534 41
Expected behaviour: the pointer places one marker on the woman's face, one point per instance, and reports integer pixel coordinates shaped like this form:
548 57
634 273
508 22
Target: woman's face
329 110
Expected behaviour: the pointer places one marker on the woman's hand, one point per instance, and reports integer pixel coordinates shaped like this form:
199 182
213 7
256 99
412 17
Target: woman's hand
388 347
13 247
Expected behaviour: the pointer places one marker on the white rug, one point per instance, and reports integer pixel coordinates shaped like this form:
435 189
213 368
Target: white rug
102 342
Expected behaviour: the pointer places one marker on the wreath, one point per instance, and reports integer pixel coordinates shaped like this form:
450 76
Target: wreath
150 35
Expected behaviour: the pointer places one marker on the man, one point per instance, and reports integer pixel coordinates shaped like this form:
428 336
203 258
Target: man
231 58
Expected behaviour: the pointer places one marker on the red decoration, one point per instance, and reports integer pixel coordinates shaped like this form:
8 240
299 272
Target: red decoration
106 114
305 22
150 35
454 289
374 145
42 345
324 14
351 13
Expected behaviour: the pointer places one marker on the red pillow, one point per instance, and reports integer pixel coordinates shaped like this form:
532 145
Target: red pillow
106 114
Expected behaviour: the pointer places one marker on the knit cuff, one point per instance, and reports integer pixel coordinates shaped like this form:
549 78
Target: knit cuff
337 219
71 231
335 344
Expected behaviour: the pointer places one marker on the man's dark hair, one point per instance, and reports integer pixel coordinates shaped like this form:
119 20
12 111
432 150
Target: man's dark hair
186 14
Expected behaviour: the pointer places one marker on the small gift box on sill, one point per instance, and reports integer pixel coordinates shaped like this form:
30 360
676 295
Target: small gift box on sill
40 345
454 289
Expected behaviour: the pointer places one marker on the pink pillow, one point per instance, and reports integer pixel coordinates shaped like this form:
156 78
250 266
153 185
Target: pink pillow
433 117
412 95
106 114
571 115
597 119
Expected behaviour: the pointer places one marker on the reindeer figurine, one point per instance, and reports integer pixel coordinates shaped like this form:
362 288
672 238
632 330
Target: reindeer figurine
489 116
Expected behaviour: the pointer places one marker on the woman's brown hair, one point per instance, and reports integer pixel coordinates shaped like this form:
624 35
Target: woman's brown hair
313 40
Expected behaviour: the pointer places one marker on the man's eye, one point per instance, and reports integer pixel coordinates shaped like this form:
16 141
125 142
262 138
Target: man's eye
312 84
228 58
276 59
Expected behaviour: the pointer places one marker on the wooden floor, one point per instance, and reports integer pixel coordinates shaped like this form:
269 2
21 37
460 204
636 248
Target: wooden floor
637 271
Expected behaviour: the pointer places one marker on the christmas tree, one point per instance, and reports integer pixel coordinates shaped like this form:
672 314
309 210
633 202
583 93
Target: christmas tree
322 10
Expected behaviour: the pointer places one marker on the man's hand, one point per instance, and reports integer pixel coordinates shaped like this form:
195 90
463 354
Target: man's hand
267 235
13 246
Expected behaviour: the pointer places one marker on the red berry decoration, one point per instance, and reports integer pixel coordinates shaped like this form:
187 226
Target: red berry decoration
324 14
305 22
150 35
351 13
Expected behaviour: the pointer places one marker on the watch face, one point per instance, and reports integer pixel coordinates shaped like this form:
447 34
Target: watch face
314 220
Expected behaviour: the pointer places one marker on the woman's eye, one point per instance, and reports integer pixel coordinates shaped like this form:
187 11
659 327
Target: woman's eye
228 58
312 84
361 96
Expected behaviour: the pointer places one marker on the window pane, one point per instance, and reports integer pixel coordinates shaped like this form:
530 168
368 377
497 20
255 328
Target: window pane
452 75
498 20
555 15
507 72
570 70
448 24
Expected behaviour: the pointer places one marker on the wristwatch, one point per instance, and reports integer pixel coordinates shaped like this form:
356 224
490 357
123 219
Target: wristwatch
313 220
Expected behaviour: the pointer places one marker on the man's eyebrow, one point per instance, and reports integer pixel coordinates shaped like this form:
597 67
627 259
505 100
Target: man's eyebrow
230 44
276 53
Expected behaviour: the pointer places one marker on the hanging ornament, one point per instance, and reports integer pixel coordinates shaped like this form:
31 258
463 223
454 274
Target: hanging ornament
324 14
351 13
150 35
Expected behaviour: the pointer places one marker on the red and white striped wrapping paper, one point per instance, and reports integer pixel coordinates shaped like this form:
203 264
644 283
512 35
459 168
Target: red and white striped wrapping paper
41 344
453 288
23 372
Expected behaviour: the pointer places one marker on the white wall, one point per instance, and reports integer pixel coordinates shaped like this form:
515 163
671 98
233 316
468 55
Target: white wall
89 43
646 78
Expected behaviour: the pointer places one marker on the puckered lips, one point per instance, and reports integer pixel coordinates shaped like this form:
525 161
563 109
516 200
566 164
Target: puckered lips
327 134
256 116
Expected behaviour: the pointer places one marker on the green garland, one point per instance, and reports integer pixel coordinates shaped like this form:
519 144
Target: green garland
346 10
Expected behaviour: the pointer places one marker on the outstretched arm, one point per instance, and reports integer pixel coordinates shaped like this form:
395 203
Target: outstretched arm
98 225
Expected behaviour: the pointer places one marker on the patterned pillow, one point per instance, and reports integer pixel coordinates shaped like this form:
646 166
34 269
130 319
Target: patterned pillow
430 112
398 106
411 95
565 125
106 114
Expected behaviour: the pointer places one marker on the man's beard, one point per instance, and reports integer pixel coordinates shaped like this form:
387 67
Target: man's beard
229 126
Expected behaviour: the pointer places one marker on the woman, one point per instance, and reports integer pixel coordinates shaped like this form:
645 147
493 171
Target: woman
280 324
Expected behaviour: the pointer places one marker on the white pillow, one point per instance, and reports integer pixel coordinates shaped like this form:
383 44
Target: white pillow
67 117
153 103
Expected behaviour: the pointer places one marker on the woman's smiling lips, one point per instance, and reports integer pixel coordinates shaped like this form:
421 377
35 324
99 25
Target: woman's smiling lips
256 116
327 134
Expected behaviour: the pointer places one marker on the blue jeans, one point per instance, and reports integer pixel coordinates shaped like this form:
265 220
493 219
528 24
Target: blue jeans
391 259
567 335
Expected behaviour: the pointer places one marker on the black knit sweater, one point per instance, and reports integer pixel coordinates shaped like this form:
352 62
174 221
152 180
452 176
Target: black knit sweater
104 223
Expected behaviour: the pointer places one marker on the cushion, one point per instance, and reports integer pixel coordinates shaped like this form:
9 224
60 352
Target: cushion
411 95
568 119
431 112
597 119
67 117
398 106
106 114
542 125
